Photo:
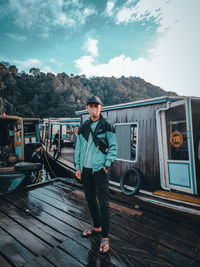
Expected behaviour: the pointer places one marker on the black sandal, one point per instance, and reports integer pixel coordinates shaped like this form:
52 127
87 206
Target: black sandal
104 243
90 232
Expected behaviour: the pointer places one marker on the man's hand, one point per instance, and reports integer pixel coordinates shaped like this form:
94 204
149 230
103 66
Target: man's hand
104 168
78 174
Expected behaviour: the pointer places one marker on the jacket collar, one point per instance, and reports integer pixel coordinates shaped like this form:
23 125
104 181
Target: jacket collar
100 118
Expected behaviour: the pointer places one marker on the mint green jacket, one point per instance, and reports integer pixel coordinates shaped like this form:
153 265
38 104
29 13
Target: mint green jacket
103 130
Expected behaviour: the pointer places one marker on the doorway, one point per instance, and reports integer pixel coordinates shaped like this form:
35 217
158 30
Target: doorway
178 147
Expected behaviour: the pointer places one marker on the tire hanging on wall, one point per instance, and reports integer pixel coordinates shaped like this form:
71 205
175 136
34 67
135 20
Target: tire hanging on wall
134 178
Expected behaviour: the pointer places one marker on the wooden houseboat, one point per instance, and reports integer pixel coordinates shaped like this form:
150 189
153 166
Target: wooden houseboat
19 142
158 142
59 137
157 158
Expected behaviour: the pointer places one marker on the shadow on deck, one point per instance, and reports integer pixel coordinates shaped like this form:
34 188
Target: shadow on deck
42 227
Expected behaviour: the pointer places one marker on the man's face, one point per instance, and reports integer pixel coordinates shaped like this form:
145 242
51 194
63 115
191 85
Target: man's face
94 110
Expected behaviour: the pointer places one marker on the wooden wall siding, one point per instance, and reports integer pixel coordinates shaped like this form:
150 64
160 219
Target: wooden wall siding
148 157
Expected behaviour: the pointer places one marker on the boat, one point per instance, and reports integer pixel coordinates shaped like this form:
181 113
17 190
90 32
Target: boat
157 160
19 152
58 137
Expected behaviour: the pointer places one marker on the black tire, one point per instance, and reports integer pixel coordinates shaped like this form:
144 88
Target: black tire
130 182
28 166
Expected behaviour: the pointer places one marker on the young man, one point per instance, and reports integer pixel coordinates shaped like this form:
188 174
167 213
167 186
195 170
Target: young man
96 149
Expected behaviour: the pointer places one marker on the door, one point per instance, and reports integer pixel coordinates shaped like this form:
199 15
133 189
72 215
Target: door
177 147
19 139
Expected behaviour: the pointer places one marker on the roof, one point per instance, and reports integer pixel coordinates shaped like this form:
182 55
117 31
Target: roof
10 117
144 102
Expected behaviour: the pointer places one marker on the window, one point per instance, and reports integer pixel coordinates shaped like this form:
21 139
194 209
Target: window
126 134
29 128
177 133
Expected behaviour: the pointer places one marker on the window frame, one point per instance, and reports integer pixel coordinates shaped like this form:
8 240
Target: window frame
131 123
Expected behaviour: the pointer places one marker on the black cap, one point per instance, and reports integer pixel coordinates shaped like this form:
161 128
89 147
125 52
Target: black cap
94 100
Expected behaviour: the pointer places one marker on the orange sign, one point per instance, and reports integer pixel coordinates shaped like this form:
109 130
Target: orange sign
176 139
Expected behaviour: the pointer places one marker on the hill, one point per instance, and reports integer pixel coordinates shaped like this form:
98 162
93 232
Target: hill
38 94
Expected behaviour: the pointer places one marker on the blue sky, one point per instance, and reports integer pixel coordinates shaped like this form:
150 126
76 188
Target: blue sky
157 40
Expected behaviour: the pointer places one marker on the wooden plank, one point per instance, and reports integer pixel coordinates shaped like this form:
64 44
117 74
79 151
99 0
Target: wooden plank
181 197
27 239
70 246
177 245
39 261
164 228
53 213
44 198
167 227
59 211
167 224
173 244
61 259
114 230
53 222
37 228
86 249
14 250
113 205
4 262
87 257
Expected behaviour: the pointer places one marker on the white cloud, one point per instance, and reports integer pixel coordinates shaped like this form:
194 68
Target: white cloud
29 63
60 2
109 8
56 62
91 47
26 65
89 11
46 69
42 16
116 66
173 63
63 19
17 37
125 15
145 10
160 10
85 65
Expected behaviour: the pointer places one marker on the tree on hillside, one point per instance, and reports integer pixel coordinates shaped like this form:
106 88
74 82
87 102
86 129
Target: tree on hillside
48 95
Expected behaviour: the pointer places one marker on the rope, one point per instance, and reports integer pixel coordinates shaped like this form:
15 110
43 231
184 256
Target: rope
45 154
39 176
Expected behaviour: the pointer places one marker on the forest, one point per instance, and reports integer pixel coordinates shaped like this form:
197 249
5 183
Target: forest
44 95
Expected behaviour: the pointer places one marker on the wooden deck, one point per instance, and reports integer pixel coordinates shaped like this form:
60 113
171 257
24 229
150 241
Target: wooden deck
42 227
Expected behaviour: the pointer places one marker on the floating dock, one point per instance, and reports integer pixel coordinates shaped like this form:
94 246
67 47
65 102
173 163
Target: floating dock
42 227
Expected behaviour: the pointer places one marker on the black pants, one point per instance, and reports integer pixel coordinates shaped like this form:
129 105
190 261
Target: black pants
97 185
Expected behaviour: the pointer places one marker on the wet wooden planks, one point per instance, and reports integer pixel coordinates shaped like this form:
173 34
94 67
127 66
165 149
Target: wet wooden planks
42 227
161 241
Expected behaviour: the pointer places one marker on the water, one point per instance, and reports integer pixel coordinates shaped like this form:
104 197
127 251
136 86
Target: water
11 181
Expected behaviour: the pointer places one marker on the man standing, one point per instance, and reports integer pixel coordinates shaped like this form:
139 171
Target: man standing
96 149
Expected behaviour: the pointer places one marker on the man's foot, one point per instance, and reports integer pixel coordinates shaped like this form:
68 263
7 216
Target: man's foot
91 232
104 245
